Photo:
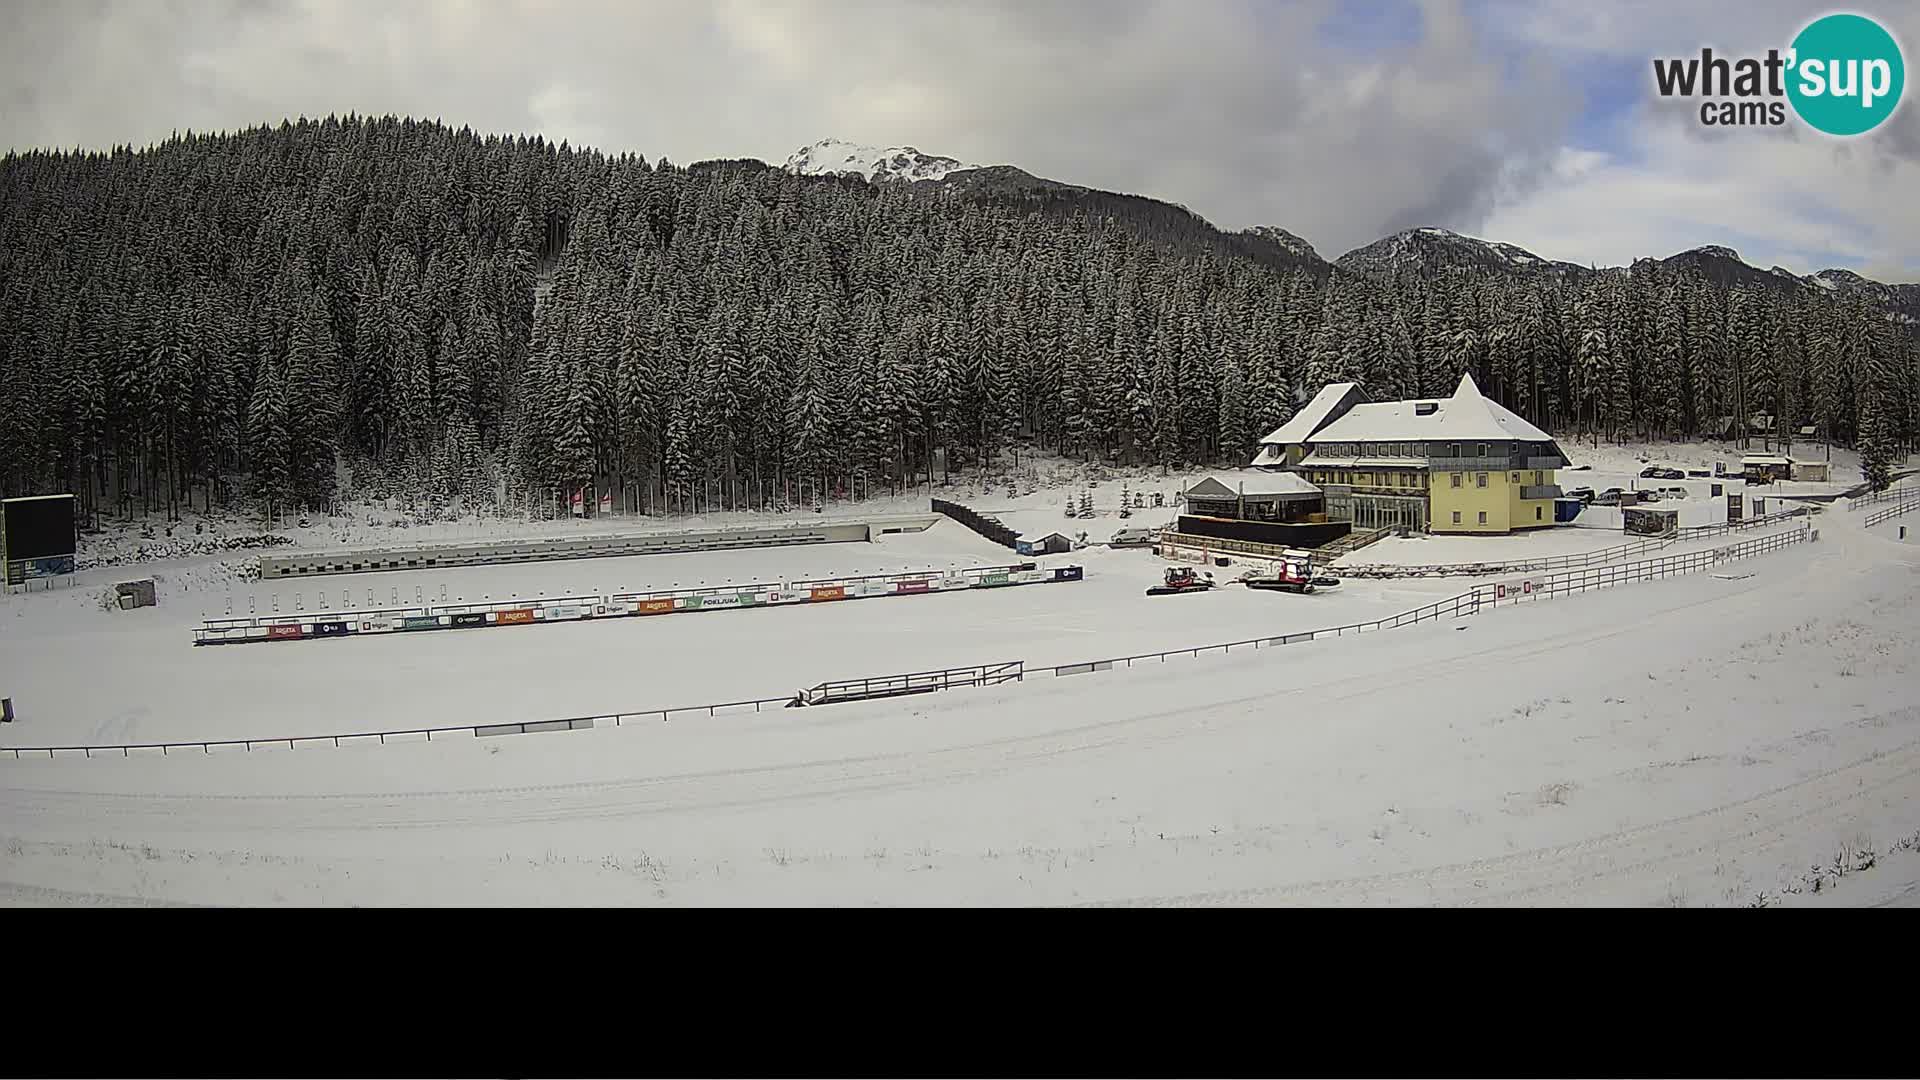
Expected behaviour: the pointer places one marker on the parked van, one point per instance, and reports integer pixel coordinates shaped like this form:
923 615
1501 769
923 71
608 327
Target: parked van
1134 537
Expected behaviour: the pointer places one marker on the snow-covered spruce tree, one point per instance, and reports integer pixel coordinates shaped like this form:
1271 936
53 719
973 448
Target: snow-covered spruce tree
1593 371
1665 384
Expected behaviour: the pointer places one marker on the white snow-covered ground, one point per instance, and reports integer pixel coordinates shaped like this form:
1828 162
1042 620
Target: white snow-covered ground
1619 465
1515 548
1695 741
53 644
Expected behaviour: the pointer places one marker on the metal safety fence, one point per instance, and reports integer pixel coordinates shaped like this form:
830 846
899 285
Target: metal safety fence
1482 598
1899 491
1889 513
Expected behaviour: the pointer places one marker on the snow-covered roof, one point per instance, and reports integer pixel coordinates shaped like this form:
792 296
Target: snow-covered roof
1302 426
1284 485
1465 415
1037 537
1766 459
1270 455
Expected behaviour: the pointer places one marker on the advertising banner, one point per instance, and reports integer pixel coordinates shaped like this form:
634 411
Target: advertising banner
21 571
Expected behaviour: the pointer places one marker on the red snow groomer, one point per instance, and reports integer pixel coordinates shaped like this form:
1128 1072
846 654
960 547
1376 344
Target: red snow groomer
1290 575
1181 579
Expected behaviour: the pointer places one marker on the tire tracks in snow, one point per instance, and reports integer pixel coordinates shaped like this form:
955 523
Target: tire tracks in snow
759 786
1747 826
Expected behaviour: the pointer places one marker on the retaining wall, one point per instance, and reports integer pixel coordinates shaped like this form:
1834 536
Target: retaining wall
487 553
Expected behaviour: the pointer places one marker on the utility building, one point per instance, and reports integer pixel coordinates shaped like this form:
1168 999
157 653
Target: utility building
1460 464
1280 509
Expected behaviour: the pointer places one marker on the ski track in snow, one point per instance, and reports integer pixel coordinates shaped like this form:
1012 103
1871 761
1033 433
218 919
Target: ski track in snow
1679 742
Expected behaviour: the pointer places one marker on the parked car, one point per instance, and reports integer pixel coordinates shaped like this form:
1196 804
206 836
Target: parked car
1584 494
1578 468
1134 537
1675 493
1660 472
1609 497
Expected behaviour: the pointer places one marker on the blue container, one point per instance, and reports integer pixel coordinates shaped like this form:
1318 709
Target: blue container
1565 510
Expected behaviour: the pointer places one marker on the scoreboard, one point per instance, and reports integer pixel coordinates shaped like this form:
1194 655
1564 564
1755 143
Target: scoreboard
37 537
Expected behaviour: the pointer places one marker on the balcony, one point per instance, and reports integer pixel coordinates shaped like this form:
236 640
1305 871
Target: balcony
1472 464
1540 491
1544 463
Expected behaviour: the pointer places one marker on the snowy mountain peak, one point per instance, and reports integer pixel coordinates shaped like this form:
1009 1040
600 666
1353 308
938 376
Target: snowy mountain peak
1428 248
1718 251
1277 235
832 157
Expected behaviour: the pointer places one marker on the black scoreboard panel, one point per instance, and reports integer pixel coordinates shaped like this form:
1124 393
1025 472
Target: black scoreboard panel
38 537
38 528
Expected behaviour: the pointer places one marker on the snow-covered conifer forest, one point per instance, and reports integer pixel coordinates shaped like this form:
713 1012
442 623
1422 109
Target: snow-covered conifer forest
242 319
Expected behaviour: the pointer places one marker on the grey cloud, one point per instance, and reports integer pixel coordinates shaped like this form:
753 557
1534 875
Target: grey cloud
1231 108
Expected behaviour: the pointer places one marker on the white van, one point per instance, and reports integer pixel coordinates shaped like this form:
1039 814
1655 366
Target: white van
1134 537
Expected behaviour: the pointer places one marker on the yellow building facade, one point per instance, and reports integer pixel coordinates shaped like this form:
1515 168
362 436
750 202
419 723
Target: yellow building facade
1461 464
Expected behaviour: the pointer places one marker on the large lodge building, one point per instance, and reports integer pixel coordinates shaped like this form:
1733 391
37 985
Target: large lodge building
1460 464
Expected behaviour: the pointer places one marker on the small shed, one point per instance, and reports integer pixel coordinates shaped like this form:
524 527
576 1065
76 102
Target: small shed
1816 471
1051 543
1774 466
1650 520
134 594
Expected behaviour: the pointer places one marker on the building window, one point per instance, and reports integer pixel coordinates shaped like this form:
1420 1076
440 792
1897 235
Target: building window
1456 479
1516 478
1483 517
1456 517
1480 480
1536 476
1483 450
1536 513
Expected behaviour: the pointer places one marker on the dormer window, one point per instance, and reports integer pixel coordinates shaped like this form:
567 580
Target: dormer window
1425 408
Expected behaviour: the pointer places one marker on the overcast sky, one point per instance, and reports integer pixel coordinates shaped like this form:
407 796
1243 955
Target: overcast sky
1530 121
